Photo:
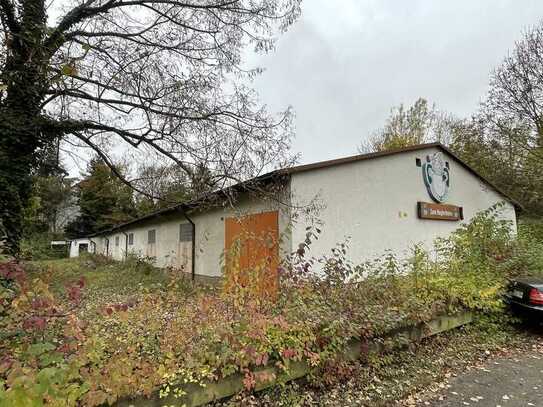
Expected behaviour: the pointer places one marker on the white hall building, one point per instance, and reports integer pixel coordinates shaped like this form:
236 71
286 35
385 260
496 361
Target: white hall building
380 201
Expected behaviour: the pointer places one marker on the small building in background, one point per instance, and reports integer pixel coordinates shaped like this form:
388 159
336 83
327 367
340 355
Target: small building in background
81 246
60 248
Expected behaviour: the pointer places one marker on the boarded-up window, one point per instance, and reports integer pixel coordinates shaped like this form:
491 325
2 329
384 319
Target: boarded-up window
116 241
185 232
131 238
151 236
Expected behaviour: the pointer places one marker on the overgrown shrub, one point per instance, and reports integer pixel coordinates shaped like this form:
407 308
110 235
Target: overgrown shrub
34 330
161 338
38 247
141 263
528 256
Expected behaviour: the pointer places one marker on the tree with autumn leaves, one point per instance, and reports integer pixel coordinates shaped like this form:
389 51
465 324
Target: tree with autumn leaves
502 140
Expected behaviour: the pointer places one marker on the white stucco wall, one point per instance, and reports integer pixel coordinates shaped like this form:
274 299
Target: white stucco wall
210 233
168 251
74 246
374 203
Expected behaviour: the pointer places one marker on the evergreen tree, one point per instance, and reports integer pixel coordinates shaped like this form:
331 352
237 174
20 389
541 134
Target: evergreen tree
104 201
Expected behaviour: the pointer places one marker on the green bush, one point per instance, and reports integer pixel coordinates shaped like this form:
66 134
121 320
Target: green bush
144 264
156 332
527 259
38 247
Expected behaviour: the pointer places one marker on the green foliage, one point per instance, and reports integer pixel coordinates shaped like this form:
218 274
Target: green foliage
15 195
528 255
106 280
416 124
505 156
103 200
34 328
142 264
530 229
24 158
47 209
402 373
38 247
137 329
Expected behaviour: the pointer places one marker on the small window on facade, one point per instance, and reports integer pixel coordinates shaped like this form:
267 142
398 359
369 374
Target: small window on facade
116 241
151 236
131 238
185 232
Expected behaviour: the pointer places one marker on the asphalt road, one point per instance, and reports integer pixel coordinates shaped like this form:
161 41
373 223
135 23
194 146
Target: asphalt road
504 382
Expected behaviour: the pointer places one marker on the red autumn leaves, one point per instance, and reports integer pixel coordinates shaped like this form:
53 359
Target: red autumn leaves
74 290
35 323
110 309
40 306
13 271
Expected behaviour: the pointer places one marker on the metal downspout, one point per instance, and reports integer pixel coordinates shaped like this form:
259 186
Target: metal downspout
94 245
107 246
193 248
70 248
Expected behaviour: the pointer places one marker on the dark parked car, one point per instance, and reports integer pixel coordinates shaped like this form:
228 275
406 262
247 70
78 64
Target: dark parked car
525 296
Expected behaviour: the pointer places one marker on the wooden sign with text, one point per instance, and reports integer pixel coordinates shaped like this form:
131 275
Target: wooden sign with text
439 211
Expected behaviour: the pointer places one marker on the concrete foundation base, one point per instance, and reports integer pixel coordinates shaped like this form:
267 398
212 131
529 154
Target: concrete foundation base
196 395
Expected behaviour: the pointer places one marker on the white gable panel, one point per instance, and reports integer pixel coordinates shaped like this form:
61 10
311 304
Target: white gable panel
373 202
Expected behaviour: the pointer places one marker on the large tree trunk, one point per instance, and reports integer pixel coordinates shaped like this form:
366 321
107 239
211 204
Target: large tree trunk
20 140
16 157
24 76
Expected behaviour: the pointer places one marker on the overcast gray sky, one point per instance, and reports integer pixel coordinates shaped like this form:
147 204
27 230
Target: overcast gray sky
347 62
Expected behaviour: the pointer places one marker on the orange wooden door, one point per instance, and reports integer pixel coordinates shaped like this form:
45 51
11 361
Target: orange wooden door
252 252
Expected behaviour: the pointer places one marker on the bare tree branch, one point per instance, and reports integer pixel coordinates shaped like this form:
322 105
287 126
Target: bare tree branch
163 77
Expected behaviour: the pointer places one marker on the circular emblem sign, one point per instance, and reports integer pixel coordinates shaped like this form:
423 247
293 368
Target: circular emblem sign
435 173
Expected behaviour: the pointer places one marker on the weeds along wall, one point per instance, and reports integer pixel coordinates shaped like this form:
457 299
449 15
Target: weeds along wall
92 331
373 204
